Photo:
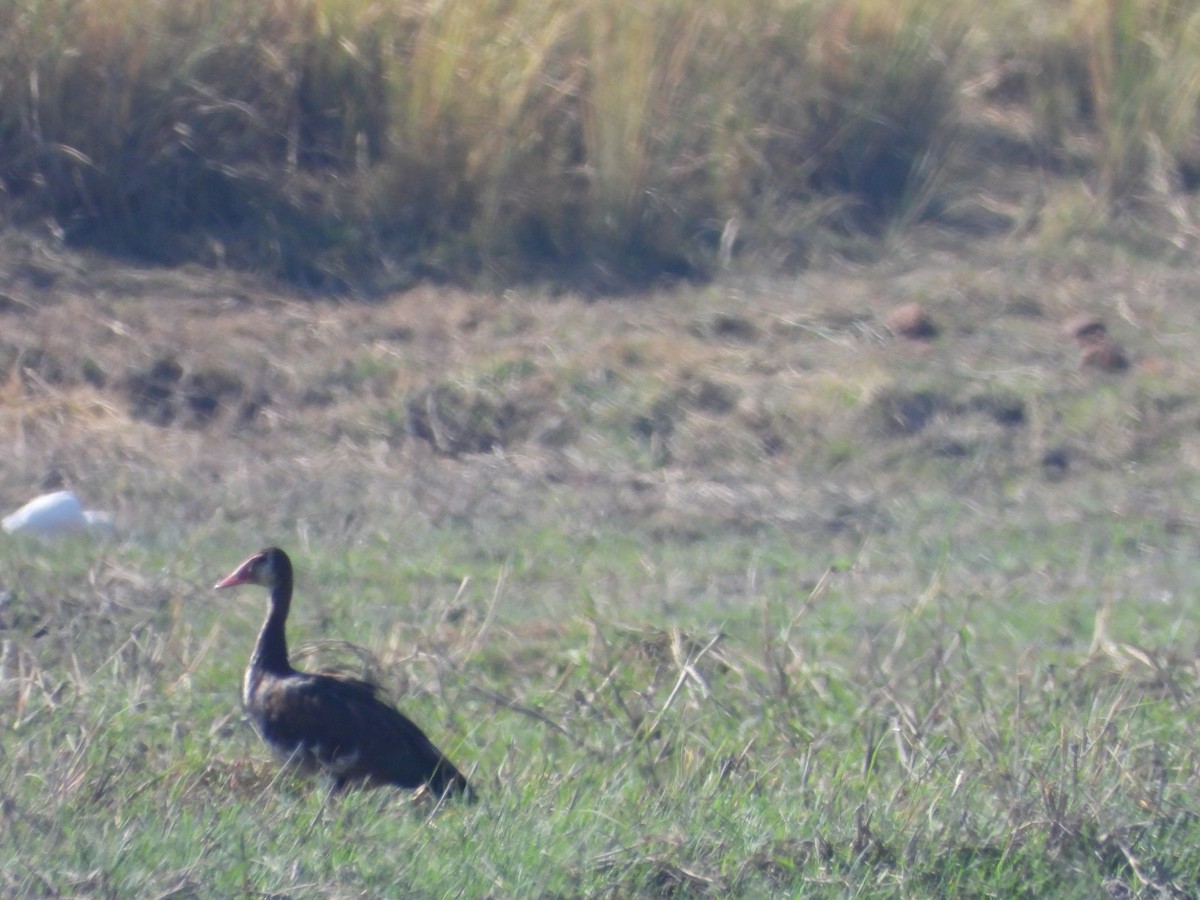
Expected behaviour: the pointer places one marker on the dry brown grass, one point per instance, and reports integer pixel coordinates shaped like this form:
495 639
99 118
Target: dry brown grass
373 143
756 381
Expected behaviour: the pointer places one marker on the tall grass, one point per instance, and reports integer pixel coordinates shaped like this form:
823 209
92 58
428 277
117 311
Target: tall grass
336 140
178 130
1111 87
862 108
1143 67
311 137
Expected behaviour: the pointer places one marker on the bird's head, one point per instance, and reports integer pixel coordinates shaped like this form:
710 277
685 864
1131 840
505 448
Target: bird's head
266 567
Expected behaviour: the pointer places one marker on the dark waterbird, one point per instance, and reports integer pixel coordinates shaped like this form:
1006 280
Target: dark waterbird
326 722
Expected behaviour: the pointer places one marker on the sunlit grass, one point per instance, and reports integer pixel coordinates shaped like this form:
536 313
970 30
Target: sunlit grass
339 142
319 140
824 738
1143 64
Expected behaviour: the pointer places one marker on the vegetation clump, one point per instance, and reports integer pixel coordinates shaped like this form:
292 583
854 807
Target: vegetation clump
374 143
371 144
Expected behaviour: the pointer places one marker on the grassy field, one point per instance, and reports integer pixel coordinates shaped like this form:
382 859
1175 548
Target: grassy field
724 590
712 581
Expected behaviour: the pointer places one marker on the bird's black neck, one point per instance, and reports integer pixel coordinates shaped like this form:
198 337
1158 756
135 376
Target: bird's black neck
270 652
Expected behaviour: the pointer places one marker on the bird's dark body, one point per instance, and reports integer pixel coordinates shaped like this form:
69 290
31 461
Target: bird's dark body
338 725
329 723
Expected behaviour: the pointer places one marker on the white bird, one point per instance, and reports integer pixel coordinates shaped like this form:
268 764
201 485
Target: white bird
55 514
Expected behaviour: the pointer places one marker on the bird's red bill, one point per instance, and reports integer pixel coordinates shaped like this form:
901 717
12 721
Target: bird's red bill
240 575
230 580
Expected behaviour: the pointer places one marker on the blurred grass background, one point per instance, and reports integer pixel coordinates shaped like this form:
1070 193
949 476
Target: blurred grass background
336 142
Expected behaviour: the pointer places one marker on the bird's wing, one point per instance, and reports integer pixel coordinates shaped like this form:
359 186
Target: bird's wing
350 731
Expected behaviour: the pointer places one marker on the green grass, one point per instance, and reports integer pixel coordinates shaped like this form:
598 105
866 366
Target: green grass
709 717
